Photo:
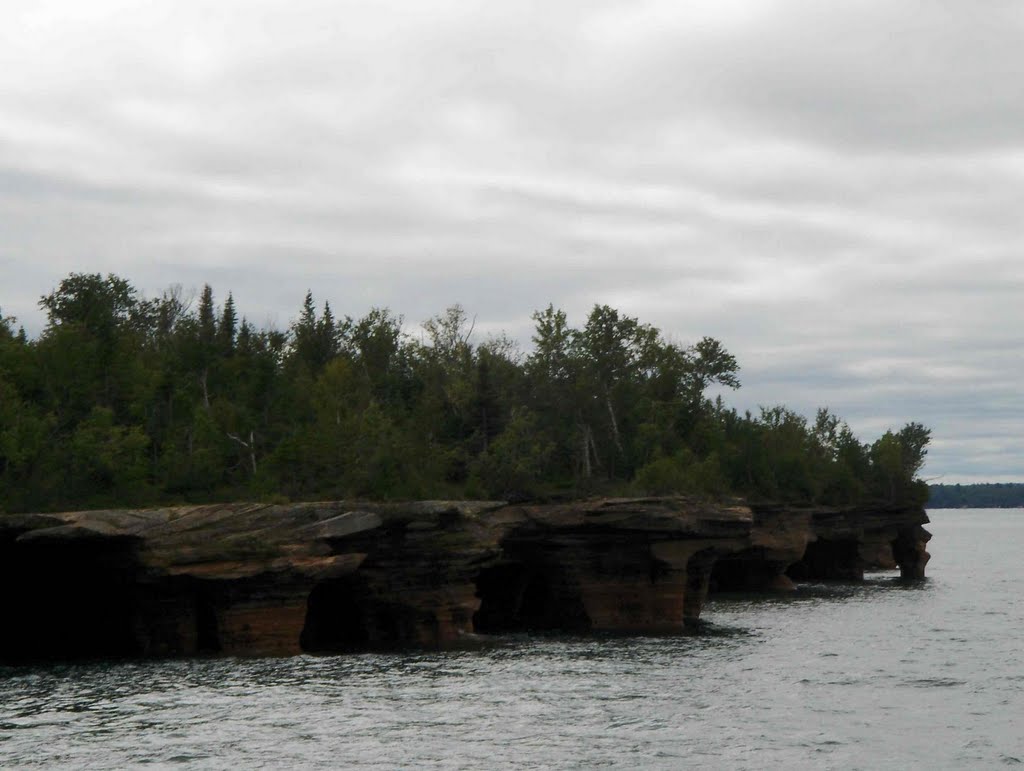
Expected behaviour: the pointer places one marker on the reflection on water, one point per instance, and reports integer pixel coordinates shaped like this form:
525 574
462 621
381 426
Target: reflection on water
875 675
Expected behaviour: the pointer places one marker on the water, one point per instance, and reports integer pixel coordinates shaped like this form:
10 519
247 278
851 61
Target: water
878 675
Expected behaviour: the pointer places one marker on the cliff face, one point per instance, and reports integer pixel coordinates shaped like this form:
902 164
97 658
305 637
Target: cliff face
802 543
252 579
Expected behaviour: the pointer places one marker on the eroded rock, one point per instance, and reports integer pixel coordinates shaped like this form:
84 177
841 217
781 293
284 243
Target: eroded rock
257 579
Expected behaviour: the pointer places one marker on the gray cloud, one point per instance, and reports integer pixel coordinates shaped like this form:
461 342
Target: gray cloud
832 189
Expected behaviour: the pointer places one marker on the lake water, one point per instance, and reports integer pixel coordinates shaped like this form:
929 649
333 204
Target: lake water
869 676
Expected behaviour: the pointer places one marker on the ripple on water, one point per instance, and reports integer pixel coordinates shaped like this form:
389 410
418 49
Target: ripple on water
934 682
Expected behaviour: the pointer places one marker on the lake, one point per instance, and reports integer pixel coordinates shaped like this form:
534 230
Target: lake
875 675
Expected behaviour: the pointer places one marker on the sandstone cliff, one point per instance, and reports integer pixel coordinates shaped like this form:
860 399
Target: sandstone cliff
255 579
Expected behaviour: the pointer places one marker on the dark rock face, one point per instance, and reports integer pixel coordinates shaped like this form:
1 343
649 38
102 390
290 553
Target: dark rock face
800 544
253 579
612 565
846 542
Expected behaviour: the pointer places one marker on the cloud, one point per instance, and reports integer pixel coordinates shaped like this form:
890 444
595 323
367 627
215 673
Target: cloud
831 189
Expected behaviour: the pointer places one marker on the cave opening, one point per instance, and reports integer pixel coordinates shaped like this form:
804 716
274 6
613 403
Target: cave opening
744 571
830 560
344 615
207 633
69 602
523 596
698 582
730 575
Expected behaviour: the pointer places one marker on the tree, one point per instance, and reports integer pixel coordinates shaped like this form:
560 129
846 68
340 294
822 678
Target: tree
447 369
895 460
513 464
107 461
6 327
377 345
99 305
711 363
551 374
207 318
913 439
24 434
315 341
449 334
615 352
228 328
552 341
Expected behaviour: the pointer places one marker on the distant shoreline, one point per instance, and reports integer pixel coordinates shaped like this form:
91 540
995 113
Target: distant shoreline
997 495
962 508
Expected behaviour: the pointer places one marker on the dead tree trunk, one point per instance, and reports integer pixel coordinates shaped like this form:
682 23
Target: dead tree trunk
250 446
206 392
615 424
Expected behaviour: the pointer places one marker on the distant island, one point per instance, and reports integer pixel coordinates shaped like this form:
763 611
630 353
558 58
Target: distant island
1007 495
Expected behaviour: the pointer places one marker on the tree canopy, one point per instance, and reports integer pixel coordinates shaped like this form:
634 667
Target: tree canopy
127 401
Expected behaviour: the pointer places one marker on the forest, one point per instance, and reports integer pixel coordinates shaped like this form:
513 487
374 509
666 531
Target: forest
127 401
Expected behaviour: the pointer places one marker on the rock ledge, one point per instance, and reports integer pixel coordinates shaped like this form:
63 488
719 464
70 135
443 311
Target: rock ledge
257 579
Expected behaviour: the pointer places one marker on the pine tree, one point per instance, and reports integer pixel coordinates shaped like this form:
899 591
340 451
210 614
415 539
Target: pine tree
228 327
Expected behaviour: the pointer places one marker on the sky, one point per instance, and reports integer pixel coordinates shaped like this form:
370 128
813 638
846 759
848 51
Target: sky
833 190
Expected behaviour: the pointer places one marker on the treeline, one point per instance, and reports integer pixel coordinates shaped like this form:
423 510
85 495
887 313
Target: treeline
980 496
127 401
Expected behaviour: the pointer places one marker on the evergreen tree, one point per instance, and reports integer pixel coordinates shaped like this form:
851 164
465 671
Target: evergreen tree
228 328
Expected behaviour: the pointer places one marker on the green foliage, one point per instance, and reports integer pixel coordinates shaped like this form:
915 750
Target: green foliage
102 306
107 462
895 460
514 463
128 401
682 473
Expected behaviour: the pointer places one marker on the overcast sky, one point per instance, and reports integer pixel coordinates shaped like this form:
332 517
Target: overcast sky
833 189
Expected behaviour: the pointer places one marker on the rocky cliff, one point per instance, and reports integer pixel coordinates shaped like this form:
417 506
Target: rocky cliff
254 579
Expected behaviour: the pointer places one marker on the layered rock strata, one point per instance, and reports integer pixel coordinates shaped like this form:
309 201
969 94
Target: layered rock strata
790 544
255 579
